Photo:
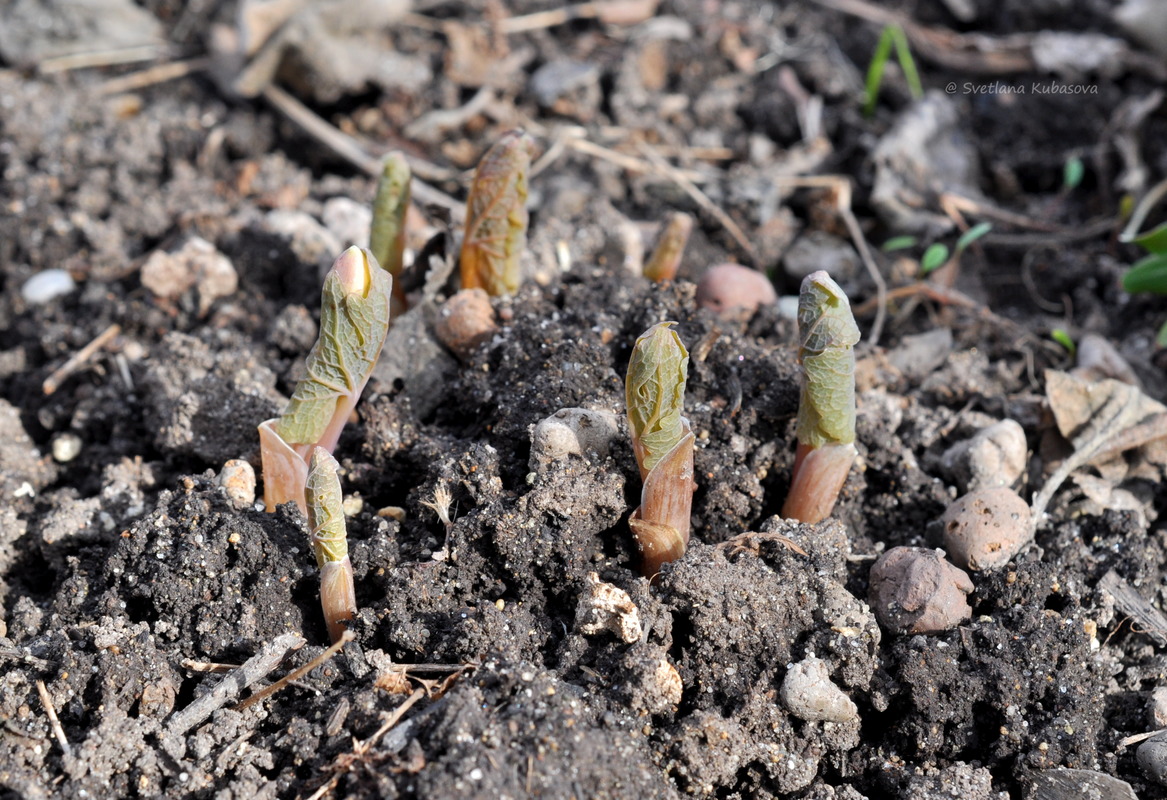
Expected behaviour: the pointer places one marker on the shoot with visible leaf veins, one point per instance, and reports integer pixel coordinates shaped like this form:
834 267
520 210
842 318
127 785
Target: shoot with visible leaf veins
354 318
663 443
826 408
496 217
329 537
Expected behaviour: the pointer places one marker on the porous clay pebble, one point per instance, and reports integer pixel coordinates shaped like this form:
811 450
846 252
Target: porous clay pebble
237 479
809 693
604 607
731 289
994 456
986 528
465 321
914 590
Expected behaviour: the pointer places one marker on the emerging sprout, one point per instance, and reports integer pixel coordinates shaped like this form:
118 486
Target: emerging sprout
826 409
666 258
663 444
354 318
387 233
496 217
330 542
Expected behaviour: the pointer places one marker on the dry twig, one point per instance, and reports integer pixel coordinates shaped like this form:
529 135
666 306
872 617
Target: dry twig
159 73
58 731
62 373
256 667
296 674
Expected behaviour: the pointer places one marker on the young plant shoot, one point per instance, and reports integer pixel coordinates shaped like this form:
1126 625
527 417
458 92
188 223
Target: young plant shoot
663 444
354 318
330 541
387 232
666 258
826 409
496 217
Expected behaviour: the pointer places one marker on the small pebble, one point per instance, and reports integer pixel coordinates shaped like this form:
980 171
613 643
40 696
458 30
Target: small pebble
986 528
914 590
465 321
668 683
817 250
46 285
1157 708
1152 757
237 479
809 693
352 504
604 607
732 290
66 447
197 264
572 431
994 456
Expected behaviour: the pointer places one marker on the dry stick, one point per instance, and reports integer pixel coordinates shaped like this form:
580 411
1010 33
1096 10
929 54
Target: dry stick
99 58
151 76
347 148
700 199
254 668
58 731
361 748
630 163
1139 737
61 373
296 674
206 666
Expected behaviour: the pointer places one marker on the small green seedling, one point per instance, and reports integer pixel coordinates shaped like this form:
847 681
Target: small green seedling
1072 173
892 37
937 254
387 232
1149 273
1062 337
354 318
826 409
496 217
666 258
663 443
329 537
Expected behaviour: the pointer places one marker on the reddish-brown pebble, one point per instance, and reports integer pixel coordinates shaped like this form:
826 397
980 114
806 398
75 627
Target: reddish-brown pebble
986 528
731 289
914 590
465 321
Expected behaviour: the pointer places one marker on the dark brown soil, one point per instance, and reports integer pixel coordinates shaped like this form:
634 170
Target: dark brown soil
124 566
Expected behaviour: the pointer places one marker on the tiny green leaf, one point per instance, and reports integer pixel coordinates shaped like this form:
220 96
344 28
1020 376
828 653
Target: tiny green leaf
1154 240
1062 337
354 318
935 256
971 235
655 394
1161 336
1072 173
827 337
325 508
1149 274
875 70
907 63
387 233
898 243
496 217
